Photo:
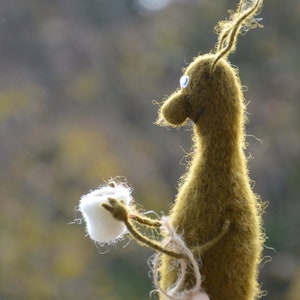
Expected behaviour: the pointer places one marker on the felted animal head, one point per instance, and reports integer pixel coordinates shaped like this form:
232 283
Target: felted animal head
208 98
210 91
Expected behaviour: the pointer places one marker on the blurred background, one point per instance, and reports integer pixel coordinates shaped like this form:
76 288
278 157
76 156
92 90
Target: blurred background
77 82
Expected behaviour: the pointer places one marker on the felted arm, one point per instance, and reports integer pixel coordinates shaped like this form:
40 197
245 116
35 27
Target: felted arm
145 221
120 213
203 248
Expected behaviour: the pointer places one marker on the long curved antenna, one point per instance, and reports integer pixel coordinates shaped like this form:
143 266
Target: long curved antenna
225 32
229 30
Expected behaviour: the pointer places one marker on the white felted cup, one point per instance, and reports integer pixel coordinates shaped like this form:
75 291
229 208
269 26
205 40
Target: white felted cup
100 224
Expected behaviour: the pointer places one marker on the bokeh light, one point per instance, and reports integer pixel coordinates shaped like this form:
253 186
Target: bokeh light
154 4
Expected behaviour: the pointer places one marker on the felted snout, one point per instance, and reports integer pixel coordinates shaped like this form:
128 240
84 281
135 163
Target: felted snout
174 109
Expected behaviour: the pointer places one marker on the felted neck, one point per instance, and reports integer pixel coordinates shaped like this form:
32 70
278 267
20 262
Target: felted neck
219 153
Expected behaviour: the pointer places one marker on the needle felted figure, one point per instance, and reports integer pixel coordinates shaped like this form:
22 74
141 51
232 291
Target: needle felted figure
216 217
215 209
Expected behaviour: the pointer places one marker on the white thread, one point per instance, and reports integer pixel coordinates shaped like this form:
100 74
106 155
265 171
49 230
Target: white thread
176 292
100 225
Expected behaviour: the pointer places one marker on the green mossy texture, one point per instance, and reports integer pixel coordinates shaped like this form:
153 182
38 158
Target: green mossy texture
216 186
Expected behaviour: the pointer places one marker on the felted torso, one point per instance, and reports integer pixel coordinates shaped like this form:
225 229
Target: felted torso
216 188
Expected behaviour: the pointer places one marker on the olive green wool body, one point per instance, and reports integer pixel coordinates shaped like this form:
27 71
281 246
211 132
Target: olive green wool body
216 188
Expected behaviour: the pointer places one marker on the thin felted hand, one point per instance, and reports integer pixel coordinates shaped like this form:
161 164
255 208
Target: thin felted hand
117 209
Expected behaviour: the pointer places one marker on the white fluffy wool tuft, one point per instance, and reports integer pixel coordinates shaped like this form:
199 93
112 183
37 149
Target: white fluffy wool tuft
100 225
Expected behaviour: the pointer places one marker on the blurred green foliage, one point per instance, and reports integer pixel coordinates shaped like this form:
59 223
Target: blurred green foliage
77 82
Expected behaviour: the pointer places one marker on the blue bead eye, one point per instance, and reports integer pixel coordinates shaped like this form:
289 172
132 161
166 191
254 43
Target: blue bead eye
184 81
